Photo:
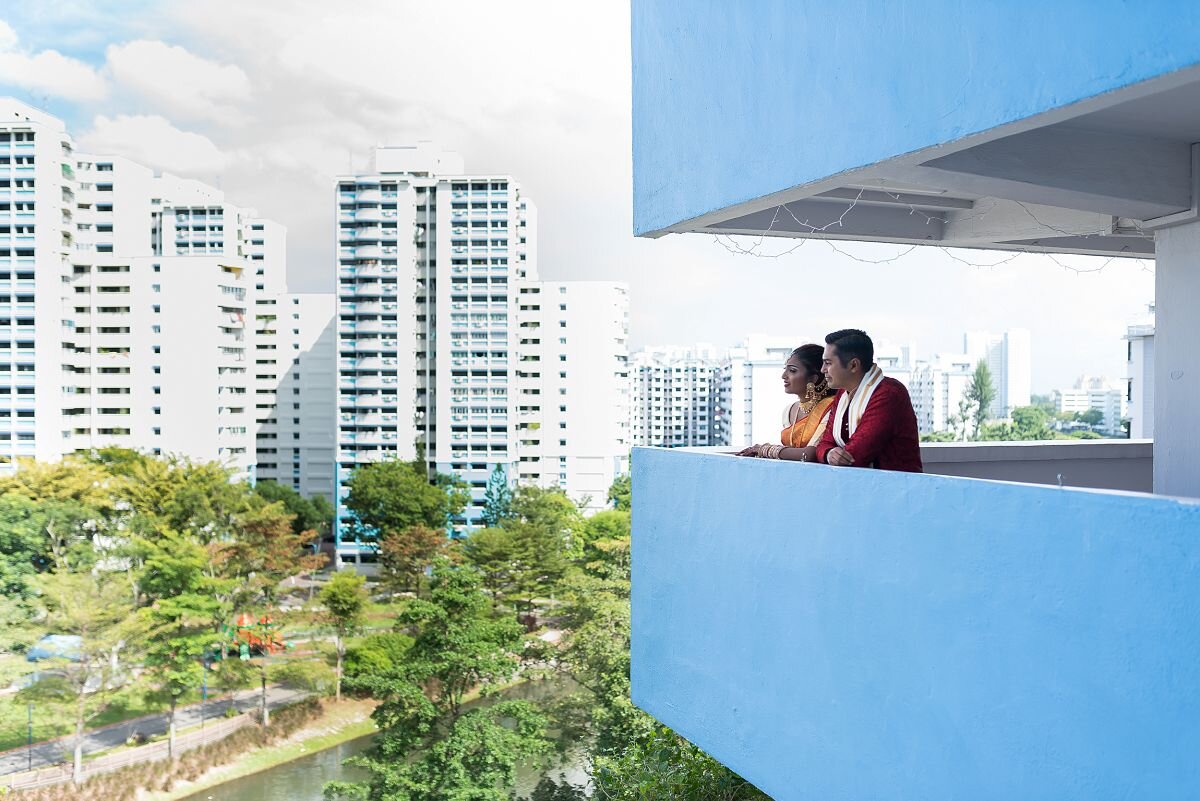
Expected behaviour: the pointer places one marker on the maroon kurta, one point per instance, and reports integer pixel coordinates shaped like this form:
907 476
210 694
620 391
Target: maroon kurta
886 437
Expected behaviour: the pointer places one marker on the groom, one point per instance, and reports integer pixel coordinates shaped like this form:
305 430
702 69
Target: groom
872 423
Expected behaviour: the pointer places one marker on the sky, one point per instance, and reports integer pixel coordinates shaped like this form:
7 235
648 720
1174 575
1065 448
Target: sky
272 100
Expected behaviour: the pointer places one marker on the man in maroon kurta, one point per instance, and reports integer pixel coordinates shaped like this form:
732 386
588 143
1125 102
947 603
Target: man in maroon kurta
871 423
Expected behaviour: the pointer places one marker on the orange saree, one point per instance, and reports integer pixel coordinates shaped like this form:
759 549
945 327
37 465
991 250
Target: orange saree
808 429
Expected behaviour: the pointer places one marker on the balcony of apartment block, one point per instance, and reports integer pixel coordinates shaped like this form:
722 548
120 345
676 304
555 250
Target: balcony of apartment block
1020 620
368 196
368 289
362 326
374 214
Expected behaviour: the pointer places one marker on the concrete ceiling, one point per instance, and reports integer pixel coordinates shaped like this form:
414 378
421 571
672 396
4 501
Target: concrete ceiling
1093 178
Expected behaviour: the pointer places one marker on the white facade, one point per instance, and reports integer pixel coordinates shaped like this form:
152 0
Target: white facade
675 397
37 238
295 380
444 346
1094 393
579 374
1139 392
1008 356
136 328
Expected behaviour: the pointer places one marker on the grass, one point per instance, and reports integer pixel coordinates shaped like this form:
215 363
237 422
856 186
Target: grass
339 723
51 720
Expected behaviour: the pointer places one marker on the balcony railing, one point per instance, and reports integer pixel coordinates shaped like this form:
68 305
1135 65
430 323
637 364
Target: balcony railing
845 633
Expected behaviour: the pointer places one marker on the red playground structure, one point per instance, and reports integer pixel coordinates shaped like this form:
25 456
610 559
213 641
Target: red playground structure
247 636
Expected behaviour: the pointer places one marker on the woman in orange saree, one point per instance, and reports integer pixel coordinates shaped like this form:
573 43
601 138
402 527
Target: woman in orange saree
806 418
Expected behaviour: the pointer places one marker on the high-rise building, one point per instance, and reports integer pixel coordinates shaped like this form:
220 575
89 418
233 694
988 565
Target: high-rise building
573 387
37 240
1008 357
675 397
136 328
439 354
1139 371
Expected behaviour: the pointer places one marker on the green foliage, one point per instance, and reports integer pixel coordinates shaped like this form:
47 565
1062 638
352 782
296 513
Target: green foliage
497 498
404 555
345 600
430 746
313 514
311 675
1093 417
620 494
395 496
666 767
549 790
981 393
377 653
1028 423
939 436
23 546
519 563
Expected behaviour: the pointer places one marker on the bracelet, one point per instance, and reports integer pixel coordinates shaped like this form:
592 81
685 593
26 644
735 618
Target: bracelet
771 451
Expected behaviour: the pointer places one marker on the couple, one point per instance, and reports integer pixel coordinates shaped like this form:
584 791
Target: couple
869 422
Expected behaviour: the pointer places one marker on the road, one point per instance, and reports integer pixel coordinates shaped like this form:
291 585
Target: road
60 750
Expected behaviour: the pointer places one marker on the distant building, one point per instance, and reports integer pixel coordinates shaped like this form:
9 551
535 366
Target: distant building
1008 357
137 305
450 347
1099 394
1139 388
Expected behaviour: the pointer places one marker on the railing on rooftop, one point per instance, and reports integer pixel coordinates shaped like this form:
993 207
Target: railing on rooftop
858 634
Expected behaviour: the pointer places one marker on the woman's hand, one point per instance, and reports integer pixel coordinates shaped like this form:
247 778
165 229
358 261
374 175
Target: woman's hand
750 451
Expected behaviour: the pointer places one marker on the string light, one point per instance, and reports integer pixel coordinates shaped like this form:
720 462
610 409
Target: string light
734 247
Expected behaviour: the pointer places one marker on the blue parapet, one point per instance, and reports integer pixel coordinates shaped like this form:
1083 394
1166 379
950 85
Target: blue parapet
855 634
734 101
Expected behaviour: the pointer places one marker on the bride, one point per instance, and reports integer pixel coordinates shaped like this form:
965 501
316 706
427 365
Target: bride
805 419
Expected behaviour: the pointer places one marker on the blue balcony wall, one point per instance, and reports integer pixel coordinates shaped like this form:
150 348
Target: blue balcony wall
733 101
854 634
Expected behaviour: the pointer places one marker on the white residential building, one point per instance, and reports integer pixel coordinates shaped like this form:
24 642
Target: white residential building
675 397
574 426
144 329
1094 393
1008 356
37 239
1139 391
431 332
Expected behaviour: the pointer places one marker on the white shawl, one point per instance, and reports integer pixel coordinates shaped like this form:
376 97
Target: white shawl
857 405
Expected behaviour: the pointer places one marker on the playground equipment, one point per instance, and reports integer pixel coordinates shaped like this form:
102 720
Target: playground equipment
246 637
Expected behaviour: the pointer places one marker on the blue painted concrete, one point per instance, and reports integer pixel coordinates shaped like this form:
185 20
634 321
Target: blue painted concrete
735 100
853 634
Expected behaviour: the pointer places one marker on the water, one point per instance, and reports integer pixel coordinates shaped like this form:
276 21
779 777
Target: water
303 779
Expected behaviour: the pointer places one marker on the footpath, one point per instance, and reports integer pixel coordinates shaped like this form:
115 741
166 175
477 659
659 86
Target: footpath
54 752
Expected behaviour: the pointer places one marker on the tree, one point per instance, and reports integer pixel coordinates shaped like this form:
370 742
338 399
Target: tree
268 549
497 499
404 555
314 514
493 552
1028 423
620 494
93 606
518 563
430 746
1093 417
981 393
960 422
395 496
178 619
345 600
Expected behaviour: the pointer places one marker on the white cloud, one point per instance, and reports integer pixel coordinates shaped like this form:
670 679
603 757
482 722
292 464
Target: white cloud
177 80
154 141
47 71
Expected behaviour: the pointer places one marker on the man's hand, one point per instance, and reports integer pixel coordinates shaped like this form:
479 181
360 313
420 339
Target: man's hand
839 457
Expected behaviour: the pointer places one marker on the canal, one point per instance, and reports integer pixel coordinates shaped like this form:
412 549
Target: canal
303 779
